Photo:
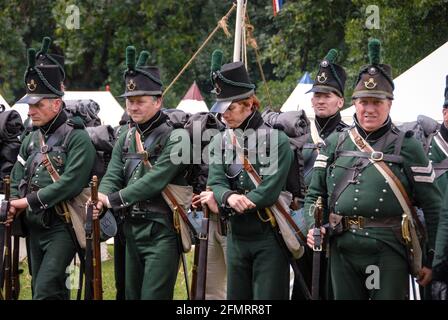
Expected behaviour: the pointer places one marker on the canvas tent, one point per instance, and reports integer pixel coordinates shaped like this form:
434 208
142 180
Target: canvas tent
110 110
193 102
420 89
299 98
4 102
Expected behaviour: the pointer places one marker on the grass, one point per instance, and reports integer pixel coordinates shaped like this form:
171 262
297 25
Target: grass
108 277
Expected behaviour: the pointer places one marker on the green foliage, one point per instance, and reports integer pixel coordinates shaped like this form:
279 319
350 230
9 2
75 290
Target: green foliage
172 30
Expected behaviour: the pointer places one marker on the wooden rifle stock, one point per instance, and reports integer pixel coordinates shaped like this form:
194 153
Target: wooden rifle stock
97 276
317 249
7 252
199 281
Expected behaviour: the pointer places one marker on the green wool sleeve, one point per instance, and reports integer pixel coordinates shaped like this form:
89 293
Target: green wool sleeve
162 173
318 185
18 170
267 193
78 166
440 263
425 191
217 179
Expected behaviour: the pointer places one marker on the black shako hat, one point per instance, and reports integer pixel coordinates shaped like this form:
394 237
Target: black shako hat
231 82
42 81
375 79
141 80
331 76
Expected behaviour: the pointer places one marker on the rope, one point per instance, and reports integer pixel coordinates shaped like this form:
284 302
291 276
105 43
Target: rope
222 24
253 43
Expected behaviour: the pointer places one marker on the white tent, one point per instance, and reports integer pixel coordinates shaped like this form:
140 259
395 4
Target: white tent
193 102
420 89
110 110
299 98
4 102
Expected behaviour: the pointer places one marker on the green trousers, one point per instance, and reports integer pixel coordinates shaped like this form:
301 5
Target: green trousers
152 260
257 268
51 252
365 268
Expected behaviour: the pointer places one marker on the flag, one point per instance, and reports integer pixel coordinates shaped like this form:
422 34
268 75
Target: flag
277 5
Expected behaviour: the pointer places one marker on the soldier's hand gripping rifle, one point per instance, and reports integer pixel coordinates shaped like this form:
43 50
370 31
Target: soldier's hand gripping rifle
94 288
5 245
317 248
199 274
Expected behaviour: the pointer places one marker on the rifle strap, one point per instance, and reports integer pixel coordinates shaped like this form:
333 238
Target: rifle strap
142 154
393 181
256 180
3 216
166 192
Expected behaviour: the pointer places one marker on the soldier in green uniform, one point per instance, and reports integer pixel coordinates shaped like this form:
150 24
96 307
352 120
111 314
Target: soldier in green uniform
257 266
327 101
56 147
152 248
439 155
368 258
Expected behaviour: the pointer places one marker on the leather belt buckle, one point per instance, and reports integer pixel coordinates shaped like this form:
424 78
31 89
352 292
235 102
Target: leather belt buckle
376 156
44 149
351 223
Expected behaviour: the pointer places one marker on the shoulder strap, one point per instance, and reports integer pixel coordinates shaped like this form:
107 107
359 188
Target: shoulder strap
256 180
395 183
363 162
142 155
39 156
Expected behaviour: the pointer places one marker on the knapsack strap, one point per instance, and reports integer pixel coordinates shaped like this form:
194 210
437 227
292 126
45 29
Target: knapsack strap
256 180
136 158
374 155
350 175
38 156
395 184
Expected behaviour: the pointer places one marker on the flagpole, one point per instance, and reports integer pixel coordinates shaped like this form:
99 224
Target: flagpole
238 29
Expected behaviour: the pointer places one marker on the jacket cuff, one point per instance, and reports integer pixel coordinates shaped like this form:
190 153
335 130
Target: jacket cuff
35 203
116 201
225 197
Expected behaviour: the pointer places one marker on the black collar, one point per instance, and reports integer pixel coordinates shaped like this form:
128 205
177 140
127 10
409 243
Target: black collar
374 135
54 123
253 121
151 124
325 126
444 132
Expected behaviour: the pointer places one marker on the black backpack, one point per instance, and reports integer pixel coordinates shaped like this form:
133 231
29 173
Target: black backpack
11 128
296 125
102 136
424 129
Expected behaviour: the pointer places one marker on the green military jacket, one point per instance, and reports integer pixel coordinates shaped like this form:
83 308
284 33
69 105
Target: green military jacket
146 184
325 127
440 262
437 154
370 195
267 193
74 165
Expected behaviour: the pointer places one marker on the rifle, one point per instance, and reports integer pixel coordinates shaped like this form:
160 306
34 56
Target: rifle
15 274
94 287
317 249
199 274
6 245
